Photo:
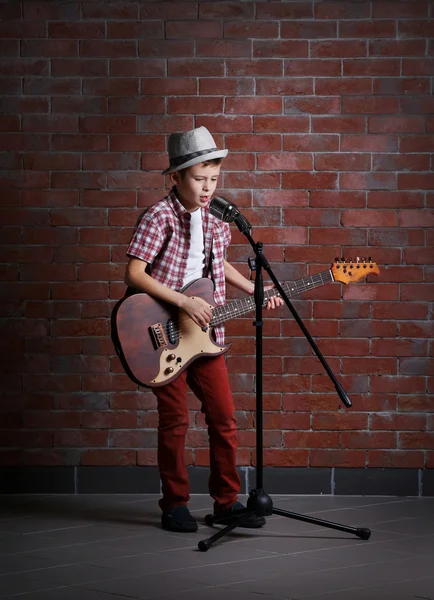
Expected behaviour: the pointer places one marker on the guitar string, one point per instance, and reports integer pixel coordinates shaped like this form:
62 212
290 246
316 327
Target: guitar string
293 288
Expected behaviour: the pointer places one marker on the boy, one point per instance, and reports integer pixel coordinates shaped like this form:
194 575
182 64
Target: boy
176 242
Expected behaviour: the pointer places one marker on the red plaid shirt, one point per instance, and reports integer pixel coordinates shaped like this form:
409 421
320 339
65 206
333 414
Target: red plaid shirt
162 239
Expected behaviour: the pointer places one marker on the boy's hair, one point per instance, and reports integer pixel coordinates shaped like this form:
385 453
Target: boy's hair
213 161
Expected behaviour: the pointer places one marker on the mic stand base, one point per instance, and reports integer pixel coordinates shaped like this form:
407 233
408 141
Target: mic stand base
260 504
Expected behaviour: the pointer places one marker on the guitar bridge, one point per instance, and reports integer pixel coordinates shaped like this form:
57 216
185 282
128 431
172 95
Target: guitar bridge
158 336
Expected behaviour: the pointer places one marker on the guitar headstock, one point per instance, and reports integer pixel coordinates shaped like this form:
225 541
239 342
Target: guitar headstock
350 270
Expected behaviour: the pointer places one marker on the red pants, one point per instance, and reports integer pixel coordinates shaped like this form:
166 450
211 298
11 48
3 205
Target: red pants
208 379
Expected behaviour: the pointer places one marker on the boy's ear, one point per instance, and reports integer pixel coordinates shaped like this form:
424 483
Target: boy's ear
174 177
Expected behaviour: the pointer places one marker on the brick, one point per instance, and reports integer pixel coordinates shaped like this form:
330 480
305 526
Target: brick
284 162
398 385
286 458
107 48
135 30
418 104
277 10
79 67
50 123
338 48
108 457
385 291
280 198
395 199
139 67
234 86
403 85
310 216
194 106
21 29
410 10
76 30
386 459
251 180
414 441
164 124
345 86
49 48
417 291
398 422
369 105
280 124
251 29
372 66
314 105
367 29
399 347
171 86
420 181
255 143
369 365
369 439
416 403
285 420
44 419
397 48
397 237
223 47
338 124
370 181
414 28
368 328
400 162
336 235
78 180
309 180
310 142
342 162
401 274
307 29
416 366
312 67
418 66
112 161
366 218
415 329
280 49
416 218
74 105
111 86
417 143
19 67
262 67
195 29
311 439
136 143
337 458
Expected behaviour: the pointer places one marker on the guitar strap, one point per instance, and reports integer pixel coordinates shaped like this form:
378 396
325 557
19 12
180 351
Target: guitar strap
209 269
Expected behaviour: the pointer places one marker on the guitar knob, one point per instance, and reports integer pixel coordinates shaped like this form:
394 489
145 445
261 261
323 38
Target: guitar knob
171 357
169 370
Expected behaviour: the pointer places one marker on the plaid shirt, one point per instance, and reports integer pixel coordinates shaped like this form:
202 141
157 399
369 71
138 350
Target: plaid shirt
162 239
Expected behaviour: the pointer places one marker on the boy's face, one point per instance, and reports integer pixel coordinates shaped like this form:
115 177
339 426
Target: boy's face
196 185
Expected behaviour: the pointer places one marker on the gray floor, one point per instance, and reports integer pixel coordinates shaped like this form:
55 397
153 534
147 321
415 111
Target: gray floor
103 547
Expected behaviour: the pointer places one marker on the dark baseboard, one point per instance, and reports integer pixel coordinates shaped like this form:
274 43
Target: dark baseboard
276 480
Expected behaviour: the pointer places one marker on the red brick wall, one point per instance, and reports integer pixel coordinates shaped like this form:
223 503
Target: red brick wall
327 110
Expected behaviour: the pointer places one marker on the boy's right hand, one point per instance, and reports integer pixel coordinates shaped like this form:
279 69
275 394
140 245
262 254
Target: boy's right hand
198 310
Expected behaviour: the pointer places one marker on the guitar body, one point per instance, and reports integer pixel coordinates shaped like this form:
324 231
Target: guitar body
155 341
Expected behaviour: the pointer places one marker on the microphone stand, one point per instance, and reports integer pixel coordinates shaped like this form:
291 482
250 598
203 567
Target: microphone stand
259 502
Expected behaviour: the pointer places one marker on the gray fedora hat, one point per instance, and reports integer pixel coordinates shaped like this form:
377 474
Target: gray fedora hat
190 148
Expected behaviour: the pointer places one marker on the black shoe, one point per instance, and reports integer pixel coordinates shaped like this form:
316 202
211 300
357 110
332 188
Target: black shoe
179 519
230 515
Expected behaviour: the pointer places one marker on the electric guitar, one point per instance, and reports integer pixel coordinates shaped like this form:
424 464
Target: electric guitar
156 341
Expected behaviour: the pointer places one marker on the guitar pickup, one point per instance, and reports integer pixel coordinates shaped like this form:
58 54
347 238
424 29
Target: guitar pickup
158 336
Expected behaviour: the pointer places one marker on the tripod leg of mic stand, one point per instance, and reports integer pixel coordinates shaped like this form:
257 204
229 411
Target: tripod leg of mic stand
205 545
361 532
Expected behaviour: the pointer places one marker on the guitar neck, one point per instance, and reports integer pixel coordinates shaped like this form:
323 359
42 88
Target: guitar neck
237 308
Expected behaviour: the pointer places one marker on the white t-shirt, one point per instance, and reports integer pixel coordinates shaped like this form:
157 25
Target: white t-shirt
196 254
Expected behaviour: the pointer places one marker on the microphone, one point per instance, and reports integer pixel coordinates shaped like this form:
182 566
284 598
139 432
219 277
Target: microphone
223 209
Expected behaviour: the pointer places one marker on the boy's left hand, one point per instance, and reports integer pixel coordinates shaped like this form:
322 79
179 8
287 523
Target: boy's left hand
275 301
